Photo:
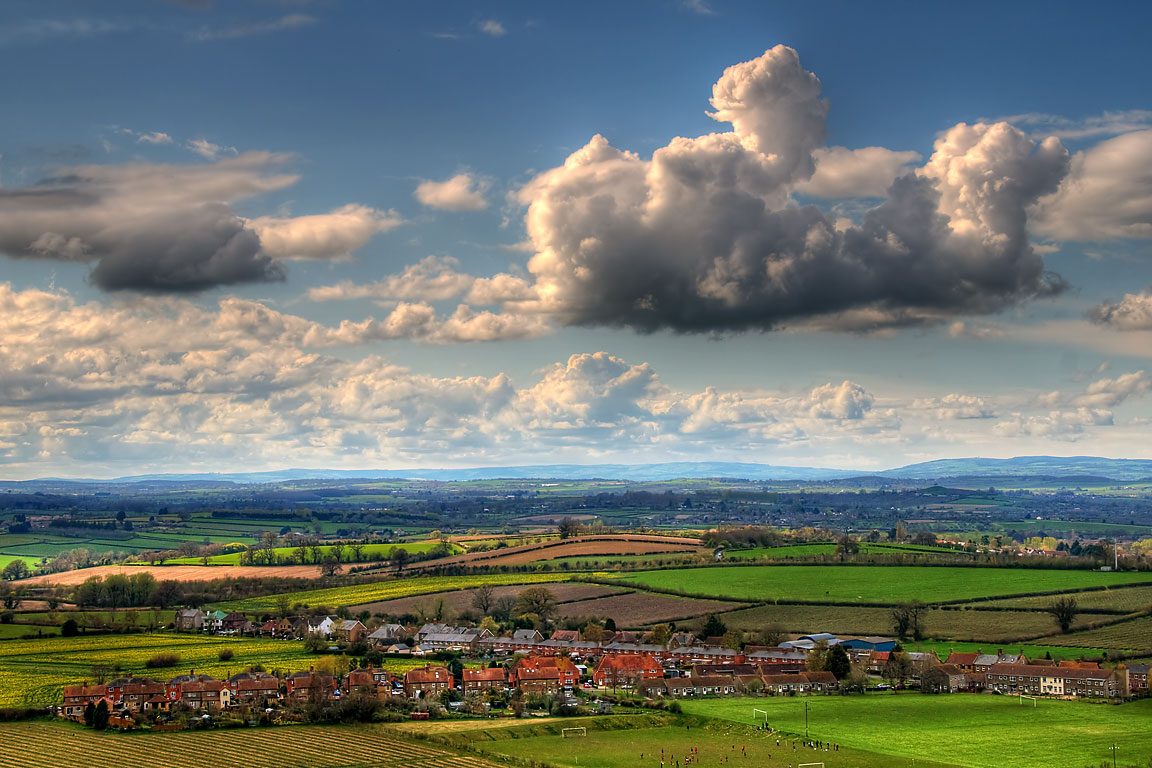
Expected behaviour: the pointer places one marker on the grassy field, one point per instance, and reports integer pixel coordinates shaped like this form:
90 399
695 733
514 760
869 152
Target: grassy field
1135 635
966 730
50 745
392 588
874 584
636 741
287 554
32 672
796 551
1129 600
1031 650
986 626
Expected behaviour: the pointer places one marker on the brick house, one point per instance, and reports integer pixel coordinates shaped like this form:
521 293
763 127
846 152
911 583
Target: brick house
248 687
310 683
1137 679
613 671
426 681
1057 681
206 694
964 661
349 630
78 697
477 680
132 692
543 674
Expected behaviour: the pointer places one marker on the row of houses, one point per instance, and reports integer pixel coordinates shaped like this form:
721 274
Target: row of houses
236 623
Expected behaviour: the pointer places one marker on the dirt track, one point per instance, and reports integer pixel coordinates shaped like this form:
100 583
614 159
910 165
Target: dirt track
181 572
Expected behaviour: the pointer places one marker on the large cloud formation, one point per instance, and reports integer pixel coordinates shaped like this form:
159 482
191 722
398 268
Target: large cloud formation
706 237
171 228
152 382
1108 193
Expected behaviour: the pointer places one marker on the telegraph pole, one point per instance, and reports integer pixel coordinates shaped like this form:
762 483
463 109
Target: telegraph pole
806 729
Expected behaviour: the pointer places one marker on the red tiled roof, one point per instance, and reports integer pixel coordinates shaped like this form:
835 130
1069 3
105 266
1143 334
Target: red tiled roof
484 675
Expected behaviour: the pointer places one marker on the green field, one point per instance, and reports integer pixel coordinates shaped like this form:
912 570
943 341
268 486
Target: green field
636 741
967 730
1135 635
975 625
33 671
1128 600
798 551
392 588
287 554
868 584
54 744
1030 650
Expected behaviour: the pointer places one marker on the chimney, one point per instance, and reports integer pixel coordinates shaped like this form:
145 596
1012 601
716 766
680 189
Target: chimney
999 651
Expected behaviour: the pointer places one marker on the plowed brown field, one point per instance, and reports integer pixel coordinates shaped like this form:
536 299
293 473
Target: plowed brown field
182 572
461 600
614 544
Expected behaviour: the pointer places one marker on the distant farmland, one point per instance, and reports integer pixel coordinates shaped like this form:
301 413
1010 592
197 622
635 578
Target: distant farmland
868 584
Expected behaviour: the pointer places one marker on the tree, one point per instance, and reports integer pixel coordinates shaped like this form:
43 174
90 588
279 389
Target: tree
11 597
1064 610
537 600
847 546
283 605
400 558
733 639
482 599
593 632
17 569
661 634
897 669
934 680
773 634
502 608
69 628
358 550
713 627
568 528
907 619
838 662
168 592
89 714
330 567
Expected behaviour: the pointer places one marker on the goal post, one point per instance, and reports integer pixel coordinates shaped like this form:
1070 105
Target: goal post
758 713
578 731
1024 696
810 765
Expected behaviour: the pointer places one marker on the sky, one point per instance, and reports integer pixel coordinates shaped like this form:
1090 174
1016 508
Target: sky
259 234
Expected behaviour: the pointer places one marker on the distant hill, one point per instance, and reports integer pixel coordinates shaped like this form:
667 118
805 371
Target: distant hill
1083 468
1073 469
666 471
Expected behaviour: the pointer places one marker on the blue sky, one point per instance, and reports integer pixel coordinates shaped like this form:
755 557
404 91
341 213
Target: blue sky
358 234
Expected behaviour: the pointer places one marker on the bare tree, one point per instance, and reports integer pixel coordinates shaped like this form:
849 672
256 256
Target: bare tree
907 619
482 598
1064 610
569 528
537 600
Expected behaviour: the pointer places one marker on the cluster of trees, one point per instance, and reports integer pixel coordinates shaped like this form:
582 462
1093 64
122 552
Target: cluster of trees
908 619
122 591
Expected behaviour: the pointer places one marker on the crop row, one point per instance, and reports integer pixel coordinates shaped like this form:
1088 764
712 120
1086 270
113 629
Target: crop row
40 745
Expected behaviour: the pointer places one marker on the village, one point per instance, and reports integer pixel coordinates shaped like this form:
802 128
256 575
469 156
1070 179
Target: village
564 673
